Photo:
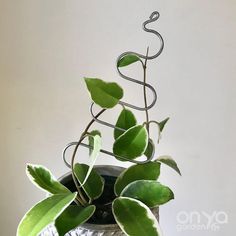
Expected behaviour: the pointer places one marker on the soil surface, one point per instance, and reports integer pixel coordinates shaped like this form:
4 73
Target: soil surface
103 213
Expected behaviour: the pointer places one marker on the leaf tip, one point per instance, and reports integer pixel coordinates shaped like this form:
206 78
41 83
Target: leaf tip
179 172
172 195
28 167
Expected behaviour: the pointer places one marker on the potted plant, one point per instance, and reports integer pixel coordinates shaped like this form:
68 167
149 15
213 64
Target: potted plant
106 200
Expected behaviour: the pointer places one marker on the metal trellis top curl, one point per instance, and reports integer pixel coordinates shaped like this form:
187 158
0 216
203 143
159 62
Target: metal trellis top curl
153 17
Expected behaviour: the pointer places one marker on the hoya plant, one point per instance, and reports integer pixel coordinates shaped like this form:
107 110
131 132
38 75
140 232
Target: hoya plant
137 190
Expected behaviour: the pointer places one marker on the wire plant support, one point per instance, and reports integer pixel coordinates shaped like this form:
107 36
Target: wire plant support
95 117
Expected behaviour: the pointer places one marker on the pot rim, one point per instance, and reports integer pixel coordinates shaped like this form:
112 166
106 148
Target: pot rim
99 168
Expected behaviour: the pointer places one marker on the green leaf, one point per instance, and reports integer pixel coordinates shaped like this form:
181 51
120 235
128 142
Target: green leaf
150 192
95 140
163 123
43 214
94 184
150 149
125 121
91 139
135 218
42 178
146 171
127 60
132 143
104 94
169 162
72 217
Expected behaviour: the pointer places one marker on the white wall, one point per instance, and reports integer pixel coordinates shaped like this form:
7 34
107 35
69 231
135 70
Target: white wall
46 47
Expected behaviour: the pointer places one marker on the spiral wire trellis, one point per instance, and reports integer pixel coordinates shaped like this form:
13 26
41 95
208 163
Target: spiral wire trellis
153 17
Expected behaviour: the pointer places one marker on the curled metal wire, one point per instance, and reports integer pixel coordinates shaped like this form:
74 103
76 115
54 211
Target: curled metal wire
102 151
153 17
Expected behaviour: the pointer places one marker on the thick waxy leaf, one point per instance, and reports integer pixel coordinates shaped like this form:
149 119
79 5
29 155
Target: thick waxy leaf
146 171
163 123
44 213
42 178
150 149
132 143
95 141
125 121
150 192
160 126
127 60
169 162
94 184
91 139
72 217
135 218
104 94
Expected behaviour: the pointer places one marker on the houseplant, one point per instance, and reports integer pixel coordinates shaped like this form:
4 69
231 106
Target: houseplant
86 194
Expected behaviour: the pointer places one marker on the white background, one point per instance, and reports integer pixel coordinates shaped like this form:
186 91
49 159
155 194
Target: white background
46 47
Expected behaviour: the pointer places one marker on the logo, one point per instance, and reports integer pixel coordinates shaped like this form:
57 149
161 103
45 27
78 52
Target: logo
199 221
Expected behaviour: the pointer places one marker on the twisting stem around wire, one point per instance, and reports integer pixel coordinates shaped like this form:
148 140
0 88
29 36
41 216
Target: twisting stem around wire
153 17
144 91
83 136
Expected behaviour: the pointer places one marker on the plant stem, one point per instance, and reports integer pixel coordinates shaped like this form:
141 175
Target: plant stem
81 198
158 125
145 92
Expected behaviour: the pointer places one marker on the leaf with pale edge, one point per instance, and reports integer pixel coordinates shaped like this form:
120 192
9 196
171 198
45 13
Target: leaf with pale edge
160 126
150 192
132 143
95 141
163 123
125 121
94 184
135 218
42 178
150 150
146 171
127 60
72 217
104 94
91 139
167 160
43 214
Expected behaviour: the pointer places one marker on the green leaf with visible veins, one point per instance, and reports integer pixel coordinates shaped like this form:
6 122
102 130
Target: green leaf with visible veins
127 60
146 171
125 121
94 184
150 192
135 218
43 214
132 143
167 160
42 178
104 94
72 217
